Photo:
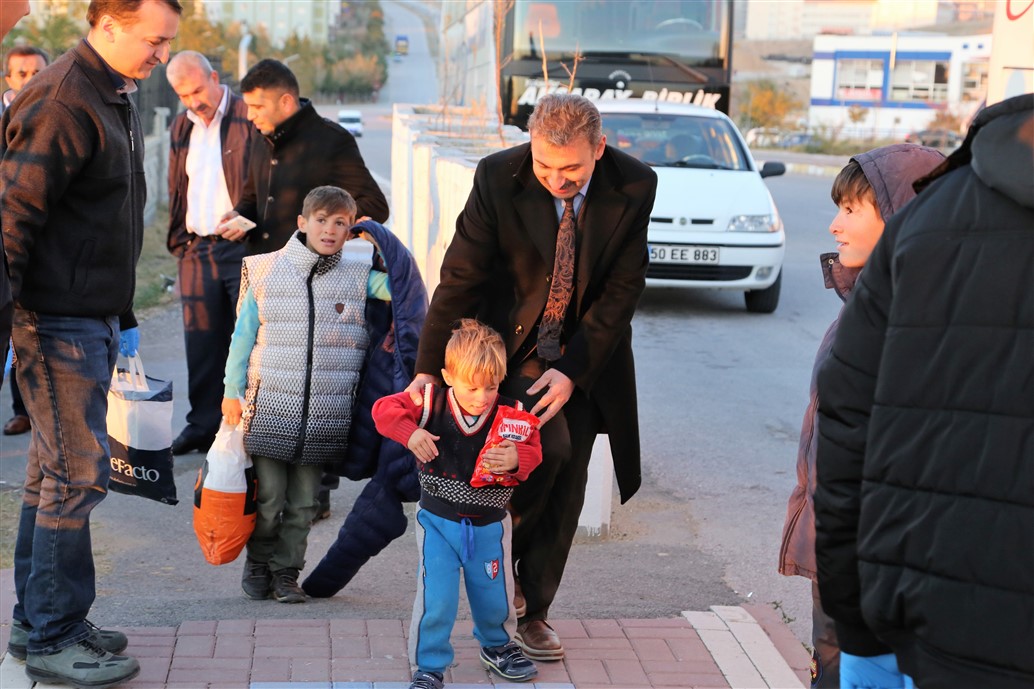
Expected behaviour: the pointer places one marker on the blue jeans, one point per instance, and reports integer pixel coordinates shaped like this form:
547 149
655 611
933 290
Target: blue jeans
64 371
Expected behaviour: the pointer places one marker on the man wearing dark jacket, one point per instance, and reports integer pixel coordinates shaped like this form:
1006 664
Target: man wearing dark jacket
924 506
74 188
297 152
210 148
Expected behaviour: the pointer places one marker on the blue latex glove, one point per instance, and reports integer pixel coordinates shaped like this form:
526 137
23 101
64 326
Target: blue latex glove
129 341
10 359
874 672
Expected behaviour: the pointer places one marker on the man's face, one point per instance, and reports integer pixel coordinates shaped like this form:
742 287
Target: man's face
326 232
11 11
199 92
564 170
139 44
21 68
268 108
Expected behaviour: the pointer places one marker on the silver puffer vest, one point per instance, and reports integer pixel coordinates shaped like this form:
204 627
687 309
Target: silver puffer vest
308 355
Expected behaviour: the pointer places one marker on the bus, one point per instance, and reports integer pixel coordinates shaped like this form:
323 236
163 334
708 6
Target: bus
515 51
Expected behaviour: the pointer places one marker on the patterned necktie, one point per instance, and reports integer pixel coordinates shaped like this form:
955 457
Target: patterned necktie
560 287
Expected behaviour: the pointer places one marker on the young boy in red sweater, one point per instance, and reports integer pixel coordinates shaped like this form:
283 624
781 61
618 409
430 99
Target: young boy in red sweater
459 526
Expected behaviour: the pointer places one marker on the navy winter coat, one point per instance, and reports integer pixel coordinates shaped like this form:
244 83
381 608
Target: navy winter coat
377 518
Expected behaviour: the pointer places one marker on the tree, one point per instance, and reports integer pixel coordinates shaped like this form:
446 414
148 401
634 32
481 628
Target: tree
55 35
766 105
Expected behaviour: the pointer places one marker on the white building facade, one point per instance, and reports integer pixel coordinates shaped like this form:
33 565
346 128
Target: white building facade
311 19
888 86
789 19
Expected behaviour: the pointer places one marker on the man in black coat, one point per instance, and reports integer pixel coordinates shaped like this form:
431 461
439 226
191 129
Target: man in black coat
925 506
501 268
210 146
297 152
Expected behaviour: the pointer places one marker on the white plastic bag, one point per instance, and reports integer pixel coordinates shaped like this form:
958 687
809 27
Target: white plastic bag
225 497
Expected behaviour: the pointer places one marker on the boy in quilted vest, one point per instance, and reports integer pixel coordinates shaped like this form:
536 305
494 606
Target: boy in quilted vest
459 526
295 359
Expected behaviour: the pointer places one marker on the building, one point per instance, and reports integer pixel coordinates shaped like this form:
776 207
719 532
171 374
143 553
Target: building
790 19
281 19
890 85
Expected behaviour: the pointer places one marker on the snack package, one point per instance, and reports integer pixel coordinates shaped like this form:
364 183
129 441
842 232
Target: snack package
509 424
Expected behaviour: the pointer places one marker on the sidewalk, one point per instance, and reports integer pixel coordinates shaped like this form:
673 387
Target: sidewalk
739 647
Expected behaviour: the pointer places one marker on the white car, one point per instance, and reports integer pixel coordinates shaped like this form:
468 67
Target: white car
352 120
714 223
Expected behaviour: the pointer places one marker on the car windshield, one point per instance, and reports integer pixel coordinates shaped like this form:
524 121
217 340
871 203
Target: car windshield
676 140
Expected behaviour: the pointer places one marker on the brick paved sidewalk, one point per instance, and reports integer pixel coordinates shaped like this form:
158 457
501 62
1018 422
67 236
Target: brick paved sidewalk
725 647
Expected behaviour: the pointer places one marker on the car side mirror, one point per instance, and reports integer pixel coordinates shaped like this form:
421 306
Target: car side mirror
772 169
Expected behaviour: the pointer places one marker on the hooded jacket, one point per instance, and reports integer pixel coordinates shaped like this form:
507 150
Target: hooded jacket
925 500
377 517
890 172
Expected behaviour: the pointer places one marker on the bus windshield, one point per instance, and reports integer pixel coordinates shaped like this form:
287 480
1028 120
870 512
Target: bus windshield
689 31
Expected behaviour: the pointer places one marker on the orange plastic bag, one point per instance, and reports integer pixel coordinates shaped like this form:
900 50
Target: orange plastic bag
225 497
509 424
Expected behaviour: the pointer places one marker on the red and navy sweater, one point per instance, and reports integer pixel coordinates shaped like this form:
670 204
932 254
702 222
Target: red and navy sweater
445 488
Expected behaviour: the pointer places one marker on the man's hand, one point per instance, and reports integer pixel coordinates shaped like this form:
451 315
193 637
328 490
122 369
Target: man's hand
232 410
129 342
560 389
416 388
421 443
231 233
502 458
874 672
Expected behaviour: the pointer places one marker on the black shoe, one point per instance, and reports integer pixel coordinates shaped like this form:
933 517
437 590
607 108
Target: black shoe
189 440
509 662
110 640
84 664
323 506
286 588
257 581
427 680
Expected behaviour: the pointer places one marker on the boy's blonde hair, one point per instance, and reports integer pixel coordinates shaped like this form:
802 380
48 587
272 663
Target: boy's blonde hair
476 353
329 199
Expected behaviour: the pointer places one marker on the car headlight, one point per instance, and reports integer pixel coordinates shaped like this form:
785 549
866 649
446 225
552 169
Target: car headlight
754 223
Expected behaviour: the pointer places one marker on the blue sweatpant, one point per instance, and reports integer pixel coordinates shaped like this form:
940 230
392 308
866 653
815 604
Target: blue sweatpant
487 573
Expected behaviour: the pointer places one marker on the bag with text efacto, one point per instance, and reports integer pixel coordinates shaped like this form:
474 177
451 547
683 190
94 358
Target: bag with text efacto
225 497
140 434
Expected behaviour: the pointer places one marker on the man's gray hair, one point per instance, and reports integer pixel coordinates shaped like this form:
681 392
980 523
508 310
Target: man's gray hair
189 59
561 118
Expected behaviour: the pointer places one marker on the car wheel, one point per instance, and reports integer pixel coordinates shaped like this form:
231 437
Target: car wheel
764 300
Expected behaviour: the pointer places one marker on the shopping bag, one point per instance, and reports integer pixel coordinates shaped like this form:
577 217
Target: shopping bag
225 497
140 434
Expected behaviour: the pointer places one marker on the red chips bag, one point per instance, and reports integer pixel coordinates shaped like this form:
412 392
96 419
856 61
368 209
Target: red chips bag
510 424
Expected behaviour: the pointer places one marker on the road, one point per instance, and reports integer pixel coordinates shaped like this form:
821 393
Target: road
721 398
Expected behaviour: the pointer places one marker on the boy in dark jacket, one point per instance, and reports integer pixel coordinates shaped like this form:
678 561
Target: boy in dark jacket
868 191
461 526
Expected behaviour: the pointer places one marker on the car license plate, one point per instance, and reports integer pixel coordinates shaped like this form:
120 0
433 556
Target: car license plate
681 253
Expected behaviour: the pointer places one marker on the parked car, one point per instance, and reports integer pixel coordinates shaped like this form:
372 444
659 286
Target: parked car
714 223
352 120
935 138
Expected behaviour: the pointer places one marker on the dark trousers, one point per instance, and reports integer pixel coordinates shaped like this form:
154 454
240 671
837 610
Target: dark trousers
548 504
17 403
210 282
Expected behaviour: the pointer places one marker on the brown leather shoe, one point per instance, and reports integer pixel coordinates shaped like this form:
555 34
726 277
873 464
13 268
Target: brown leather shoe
520 605
538 641
18 425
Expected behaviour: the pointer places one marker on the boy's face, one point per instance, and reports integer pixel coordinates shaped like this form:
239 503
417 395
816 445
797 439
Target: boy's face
474 397
857 227
326 232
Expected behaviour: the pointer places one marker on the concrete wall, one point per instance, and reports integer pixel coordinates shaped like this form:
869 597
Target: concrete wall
434 153
156 165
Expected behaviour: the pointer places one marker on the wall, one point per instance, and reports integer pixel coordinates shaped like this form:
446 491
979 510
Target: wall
156 164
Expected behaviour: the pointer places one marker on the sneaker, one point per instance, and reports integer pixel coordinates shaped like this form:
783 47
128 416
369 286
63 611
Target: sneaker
257 580
286 588
427 680
84 665
509 662
110 641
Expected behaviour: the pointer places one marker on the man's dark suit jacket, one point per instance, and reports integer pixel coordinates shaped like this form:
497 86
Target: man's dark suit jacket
236 134
498 269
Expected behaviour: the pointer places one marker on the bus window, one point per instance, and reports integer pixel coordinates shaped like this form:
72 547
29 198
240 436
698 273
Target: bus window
542 20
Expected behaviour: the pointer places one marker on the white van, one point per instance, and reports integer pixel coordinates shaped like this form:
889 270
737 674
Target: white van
352 120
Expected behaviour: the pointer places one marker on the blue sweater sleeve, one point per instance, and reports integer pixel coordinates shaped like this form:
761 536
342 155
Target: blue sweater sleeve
378 286
244 333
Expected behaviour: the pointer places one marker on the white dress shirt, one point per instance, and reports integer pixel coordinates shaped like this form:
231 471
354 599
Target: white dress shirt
207 196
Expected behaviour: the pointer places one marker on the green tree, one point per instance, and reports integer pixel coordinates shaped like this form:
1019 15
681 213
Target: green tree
55 35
